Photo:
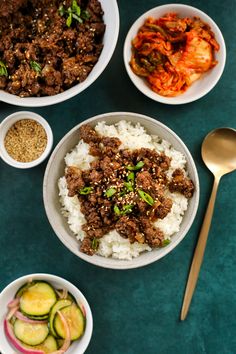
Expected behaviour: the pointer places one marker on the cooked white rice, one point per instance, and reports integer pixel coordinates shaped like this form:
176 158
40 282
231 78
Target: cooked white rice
132 137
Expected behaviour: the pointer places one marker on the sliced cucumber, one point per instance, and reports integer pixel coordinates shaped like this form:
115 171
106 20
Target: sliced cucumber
71 298
31 334
60 342
48 346
23 288
38 318
38 299
75 320
58 305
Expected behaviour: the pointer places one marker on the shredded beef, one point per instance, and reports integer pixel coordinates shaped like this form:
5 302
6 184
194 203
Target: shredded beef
123 194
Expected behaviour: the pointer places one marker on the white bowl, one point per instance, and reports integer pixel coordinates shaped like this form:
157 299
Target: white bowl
200 87
55 170
112 22
6 125
78 347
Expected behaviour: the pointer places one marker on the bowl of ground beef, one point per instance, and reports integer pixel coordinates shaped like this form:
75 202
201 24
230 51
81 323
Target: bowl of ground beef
121 190
51 50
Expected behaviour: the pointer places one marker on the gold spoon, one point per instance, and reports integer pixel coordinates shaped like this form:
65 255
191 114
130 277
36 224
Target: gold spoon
219 155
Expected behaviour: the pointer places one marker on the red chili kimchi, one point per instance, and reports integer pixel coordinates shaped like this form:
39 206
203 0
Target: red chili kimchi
173 52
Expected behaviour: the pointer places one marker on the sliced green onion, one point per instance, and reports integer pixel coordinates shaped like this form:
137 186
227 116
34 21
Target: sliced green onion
110 192
3 69
127 209
129 186
122 193
73 12
77 18
117 210
69 20
61 10
131 176
146 197
85 190
95 243
138 166
165 242
85 15
76 8
35 66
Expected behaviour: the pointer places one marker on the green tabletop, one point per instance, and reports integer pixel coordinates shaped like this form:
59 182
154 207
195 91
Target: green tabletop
137 311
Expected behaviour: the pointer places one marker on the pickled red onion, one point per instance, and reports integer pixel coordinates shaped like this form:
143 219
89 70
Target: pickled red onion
21 317
16 343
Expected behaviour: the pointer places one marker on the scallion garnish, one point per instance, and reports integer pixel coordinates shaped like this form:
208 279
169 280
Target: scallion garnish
129 186
85 190
61 10
146 197
110 192
117 210
85 15
3 69
35 66
138 166
125 210
77 18
69 20
131 177
95 243
73 12
165 242
122 193
76 8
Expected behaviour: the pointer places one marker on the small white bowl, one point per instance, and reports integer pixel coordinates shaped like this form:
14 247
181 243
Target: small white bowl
78 347
112 22
200 87
56 168
6 125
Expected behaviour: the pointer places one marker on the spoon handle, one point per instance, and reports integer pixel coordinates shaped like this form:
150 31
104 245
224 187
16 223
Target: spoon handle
199 252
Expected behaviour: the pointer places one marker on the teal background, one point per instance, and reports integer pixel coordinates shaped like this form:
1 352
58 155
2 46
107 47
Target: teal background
137 311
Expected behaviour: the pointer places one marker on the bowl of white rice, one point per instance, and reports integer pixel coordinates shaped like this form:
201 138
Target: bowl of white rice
135 131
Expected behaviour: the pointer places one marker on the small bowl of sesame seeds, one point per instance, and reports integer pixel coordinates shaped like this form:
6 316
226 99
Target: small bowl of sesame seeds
25 139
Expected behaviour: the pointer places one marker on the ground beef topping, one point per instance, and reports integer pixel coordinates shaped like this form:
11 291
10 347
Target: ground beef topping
180 183
7 7
124 190
48 46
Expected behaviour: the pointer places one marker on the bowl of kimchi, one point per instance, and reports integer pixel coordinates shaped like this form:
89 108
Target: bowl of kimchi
174 53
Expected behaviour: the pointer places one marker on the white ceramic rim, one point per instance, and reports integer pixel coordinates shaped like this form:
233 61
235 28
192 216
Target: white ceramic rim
179 99
5 126
75 292
122 265
75 90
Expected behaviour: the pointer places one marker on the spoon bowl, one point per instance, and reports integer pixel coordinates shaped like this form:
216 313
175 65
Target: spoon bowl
219 155
219 151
